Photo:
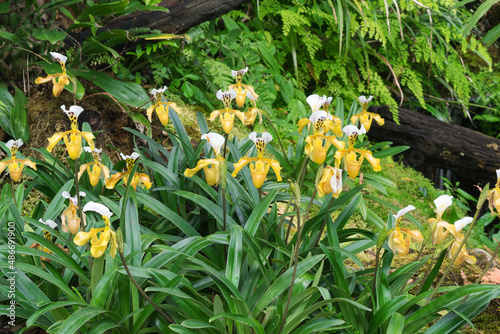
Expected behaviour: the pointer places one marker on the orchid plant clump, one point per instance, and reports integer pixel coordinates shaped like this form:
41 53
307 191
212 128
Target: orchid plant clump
238 250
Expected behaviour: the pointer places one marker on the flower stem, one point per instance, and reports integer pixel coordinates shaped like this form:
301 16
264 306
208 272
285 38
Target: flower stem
13 192
163 314
277 136
318 239
493 257
295 260
284 213
77 189
306 217
303 170
223 183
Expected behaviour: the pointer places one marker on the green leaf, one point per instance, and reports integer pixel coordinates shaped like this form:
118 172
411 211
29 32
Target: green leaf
283 283
242 319
5 7
102 326
104 9
164 211
429 312
6 105
104 288
140 118
385 312
51 306
18 117
56 205
78 319
12 37
129 93
131 231
212 208
319 324
53 36
92 46
480 11
255 218
491 36
234 256
430 279
396 324
58 255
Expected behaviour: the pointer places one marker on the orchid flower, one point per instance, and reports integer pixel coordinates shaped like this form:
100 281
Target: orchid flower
494 197
211 167
330 182
251 114
459 237
440 228
329 123
227 114
400 238
326 104
59 80
50 223
15 165
242 91
130 159
71 214
317 145
352 161
95 169
73 137
366 117
332 123
316 101
161 106
260 167
98 243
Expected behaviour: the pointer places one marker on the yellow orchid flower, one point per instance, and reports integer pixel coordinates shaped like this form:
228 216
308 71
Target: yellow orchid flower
107 236
73 137
494 197
15 165
317 145
330 123
459 237
330 182
260 167
161 106
131 159
438 226
251 114
242 91
59 80
227 114
94 169
212 174
400 239
366 117
71 214
352 162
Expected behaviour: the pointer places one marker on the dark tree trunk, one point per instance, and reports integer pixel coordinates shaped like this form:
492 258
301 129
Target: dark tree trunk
469 154
182 15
